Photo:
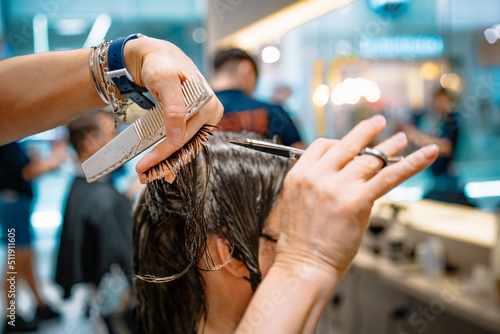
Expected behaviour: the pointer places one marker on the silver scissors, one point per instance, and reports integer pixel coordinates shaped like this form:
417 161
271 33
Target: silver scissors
295 153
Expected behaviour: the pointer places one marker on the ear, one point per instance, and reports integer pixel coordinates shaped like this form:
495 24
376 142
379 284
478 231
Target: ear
233 266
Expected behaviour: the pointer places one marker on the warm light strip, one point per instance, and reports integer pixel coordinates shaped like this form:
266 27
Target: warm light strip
271 29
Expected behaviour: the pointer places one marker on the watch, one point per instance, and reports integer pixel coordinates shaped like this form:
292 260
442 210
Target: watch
121 77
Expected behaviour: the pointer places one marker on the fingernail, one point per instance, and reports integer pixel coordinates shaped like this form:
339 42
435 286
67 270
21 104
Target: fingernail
400 136
378 120
430 150
175 136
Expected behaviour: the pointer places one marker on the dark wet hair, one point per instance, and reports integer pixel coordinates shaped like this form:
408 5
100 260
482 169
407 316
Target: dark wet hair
231 55
227 190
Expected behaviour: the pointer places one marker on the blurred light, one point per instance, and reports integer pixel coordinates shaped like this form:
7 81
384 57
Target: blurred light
482 189
405 194
40 33
492 34
320 96
430 70
451 81
373 95
199 35
68 27
351 90
98 31
46 219
270 54
273 27
401 46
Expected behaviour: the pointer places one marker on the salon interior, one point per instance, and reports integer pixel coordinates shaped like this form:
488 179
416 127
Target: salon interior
430 259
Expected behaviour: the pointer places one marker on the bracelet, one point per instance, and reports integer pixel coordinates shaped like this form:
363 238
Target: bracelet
121 77
92 61
104 86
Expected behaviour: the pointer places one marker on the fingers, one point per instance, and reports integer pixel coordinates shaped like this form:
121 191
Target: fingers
210 114
174 108
393 175
365 166
313 153
349 147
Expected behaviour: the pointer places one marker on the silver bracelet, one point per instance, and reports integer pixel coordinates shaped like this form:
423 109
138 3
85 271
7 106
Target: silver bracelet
92 61
106 86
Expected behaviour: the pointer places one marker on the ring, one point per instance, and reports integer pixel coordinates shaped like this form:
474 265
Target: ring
376 153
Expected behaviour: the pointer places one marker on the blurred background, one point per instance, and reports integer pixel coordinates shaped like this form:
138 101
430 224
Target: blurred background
338 62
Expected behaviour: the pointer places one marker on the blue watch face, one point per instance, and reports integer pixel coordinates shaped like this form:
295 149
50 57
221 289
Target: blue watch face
391 7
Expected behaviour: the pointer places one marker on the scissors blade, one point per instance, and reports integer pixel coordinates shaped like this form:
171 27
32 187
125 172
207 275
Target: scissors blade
270 148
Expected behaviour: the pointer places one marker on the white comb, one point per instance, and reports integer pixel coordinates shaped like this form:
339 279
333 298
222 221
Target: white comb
144 132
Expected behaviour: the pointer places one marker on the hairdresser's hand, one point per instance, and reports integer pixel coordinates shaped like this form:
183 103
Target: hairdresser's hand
329 193
161 67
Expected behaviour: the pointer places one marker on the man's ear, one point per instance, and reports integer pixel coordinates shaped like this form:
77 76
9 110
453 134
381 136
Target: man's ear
232 265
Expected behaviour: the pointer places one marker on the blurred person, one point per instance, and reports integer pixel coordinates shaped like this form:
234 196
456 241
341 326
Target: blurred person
17 171
234 82
96 234
445 137
213 226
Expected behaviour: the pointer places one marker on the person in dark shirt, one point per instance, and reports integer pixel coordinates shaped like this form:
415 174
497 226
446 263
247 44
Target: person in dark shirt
235 80
17 170
96 235
446 137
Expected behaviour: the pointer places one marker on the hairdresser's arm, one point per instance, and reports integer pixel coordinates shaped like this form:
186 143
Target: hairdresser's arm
327 200
41 91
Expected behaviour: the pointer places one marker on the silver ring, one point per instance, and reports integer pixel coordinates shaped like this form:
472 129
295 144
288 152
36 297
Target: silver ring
376 153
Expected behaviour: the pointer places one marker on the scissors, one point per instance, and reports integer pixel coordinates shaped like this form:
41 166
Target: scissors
295 153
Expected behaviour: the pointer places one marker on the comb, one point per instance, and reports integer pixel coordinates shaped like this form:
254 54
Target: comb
144 132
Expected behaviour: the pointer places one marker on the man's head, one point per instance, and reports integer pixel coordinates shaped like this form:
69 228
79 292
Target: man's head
444 100
235 69
90 132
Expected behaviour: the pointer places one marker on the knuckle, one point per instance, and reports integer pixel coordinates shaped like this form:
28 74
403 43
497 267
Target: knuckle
309 182
174 112
350 148
369 164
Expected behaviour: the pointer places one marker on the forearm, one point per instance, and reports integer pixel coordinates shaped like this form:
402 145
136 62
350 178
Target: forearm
289 300
44 90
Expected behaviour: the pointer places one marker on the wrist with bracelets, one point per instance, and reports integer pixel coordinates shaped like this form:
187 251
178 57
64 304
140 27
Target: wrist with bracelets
107 82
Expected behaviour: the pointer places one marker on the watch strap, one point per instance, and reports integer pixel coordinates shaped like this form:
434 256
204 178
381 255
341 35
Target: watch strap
121 77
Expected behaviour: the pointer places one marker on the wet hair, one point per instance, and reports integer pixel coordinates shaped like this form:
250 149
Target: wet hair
226 190
80 127
225 57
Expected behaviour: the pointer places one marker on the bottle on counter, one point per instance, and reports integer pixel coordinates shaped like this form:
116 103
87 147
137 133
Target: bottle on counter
397 236
431 255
